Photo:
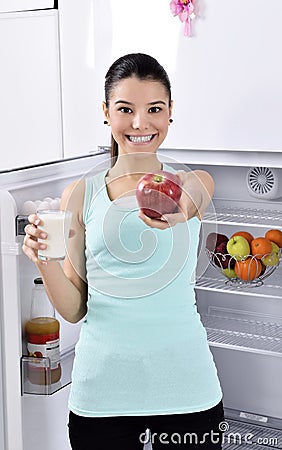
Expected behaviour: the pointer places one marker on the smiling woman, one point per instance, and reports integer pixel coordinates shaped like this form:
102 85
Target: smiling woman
142 359
137 104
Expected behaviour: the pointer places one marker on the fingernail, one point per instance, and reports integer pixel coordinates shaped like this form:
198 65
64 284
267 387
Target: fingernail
37 222
43 235
42 246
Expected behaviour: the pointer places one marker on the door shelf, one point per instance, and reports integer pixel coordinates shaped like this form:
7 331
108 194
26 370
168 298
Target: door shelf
244 213
66 362
248 334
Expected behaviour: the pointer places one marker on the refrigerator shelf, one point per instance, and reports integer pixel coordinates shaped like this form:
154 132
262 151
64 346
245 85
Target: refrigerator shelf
212 281
243 436
244 213
66 362
244 334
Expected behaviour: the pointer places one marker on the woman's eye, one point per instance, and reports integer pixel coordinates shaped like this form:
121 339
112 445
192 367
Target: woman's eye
155 109
125 109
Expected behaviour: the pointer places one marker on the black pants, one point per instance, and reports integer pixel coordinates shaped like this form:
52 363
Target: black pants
199 430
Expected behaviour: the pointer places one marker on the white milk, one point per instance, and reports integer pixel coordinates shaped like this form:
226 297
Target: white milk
56 224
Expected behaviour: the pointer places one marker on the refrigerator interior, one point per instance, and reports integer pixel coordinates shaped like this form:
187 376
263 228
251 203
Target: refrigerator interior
244 324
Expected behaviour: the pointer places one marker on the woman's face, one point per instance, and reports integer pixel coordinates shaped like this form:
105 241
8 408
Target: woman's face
138 114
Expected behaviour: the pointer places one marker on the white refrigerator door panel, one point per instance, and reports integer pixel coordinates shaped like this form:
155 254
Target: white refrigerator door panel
10 320
46 420
2 429
24 5
30 111
226 79
91 40
85 40
40 421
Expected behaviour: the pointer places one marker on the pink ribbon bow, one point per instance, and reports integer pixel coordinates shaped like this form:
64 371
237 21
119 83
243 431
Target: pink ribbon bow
184 9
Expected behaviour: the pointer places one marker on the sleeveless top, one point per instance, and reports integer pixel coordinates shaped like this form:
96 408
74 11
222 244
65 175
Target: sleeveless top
142 348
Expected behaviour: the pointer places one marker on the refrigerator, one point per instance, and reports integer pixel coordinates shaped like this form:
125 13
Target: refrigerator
227 120
243 323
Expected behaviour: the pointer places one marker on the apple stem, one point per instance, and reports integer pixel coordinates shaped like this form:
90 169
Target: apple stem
158 178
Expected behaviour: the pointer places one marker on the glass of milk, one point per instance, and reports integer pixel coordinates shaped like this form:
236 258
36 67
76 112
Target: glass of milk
56 224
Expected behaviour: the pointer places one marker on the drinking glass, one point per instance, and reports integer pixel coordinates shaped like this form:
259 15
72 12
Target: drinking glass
56 223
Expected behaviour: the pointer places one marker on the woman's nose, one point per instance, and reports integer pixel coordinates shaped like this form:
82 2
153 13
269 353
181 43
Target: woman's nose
140 121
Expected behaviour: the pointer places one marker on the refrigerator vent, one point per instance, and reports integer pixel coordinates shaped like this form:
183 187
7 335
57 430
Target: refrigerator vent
263 182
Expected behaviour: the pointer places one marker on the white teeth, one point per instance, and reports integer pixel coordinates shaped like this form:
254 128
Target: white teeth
139 139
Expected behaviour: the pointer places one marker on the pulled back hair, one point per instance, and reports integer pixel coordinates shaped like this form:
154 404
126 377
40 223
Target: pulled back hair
143 67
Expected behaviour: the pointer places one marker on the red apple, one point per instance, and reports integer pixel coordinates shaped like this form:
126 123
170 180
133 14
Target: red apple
158 193
214 240
221 257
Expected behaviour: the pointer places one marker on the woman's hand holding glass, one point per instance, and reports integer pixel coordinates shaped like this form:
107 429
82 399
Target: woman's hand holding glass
30 243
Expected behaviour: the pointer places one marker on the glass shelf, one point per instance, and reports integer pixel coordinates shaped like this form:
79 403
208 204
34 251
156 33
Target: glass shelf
244 333
244 213
244 436
48 388
213 281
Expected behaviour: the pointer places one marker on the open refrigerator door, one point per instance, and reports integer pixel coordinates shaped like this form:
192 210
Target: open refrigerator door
38 413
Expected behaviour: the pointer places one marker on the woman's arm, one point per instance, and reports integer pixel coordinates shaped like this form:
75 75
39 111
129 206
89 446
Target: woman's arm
197 192
198 187
66 286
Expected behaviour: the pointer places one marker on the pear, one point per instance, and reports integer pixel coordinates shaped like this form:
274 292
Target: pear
229 273
273 258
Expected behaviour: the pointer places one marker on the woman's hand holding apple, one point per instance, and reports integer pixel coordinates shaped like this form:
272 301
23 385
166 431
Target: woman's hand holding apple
197 188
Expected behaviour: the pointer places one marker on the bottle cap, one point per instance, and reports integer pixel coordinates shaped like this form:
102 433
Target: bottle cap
38 281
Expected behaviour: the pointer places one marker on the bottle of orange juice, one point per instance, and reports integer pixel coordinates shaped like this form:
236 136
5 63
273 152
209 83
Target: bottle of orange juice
43 338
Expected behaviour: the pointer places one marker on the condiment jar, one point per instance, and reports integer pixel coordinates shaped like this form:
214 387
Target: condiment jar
43 338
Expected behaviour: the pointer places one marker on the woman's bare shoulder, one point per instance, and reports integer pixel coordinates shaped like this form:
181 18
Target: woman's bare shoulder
73 197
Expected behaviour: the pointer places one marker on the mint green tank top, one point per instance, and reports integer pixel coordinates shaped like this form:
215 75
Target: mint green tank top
142 348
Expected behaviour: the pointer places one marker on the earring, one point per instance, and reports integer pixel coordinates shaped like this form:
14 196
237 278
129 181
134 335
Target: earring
170 120
105 122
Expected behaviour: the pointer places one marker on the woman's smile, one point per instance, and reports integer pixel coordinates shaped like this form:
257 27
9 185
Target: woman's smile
139 113
141 139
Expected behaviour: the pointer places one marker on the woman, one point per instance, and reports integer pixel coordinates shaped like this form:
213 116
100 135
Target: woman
142 360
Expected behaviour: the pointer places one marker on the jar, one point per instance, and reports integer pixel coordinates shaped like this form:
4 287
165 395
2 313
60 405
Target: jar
43 338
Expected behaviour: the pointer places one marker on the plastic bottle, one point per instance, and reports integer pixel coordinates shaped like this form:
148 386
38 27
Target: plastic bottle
43 338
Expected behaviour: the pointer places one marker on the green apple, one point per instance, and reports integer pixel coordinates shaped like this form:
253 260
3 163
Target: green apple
238 247
229 273
274 257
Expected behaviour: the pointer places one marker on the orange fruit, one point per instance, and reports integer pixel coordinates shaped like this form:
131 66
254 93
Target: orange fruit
261 246
248 269
274 236
245 234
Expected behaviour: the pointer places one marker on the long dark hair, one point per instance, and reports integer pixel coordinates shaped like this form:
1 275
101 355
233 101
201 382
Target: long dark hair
142 66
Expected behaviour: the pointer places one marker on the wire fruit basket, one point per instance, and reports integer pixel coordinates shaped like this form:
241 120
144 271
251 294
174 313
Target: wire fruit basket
244 271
